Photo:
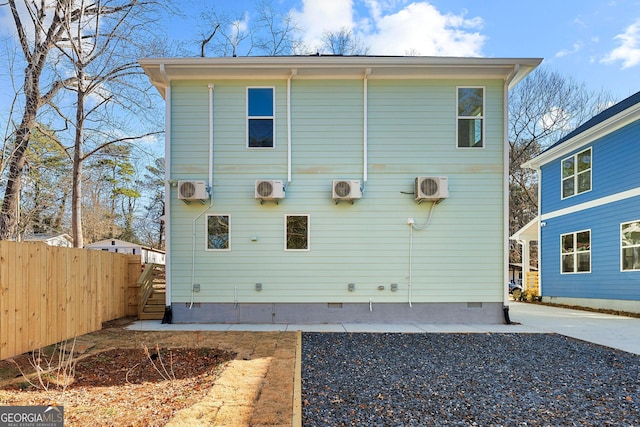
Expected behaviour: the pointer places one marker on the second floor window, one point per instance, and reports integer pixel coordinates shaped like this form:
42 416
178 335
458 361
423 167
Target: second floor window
470 117
576 174
576 252
260 117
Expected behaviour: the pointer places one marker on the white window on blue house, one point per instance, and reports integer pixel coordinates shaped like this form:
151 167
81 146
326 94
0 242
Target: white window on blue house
576 174
260 117
630 246
576 252
296 232
470 132
218 232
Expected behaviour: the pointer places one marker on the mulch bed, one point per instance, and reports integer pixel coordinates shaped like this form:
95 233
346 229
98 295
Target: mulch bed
121 386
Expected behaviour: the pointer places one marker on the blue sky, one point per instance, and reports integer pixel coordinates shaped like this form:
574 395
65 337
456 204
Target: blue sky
593 41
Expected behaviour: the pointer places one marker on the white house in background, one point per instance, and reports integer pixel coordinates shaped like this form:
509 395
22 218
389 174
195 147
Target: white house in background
147 254
62 239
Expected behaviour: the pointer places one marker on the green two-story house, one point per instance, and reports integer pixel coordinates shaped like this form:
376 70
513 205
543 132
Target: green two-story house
321 189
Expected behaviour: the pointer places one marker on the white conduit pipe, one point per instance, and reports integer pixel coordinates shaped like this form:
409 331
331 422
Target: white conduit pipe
419 228
235 297
410 262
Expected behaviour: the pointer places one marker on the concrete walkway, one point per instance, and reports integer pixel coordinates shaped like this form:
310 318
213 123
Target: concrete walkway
618 332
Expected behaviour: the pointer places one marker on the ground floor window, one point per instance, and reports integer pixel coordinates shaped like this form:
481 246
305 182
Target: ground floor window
576 252
296 232
630 246
218 232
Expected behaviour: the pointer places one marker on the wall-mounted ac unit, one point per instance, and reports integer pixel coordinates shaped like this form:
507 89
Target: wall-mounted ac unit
431 188
192 190
345 190
269 190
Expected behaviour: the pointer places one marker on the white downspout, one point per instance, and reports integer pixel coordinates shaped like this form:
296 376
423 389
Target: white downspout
167 184
540 225
365 130
193 224
293 73
505 191
211 87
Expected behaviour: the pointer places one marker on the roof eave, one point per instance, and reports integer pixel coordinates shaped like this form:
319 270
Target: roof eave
162 70
598 131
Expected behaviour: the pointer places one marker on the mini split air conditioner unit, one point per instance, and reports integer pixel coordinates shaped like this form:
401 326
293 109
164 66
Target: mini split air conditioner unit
269 190
192 190
431 188
348 190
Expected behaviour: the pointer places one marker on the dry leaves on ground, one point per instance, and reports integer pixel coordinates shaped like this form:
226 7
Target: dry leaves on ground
125 386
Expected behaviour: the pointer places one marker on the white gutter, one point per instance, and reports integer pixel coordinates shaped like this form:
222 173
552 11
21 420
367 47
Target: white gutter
293 73
167 184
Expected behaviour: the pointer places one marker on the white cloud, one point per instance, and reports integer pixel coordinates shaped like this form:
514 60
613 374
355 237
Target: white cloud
575 49
421 28
393 27
629 50
318 17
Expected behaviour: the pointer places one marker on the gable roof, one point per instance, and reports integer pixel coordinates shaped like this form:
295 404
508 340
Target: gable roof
162 70
609 120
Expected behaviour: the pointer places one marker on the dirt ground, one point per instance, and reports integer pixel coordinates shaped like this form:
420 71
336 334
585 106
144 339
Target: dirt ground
120 377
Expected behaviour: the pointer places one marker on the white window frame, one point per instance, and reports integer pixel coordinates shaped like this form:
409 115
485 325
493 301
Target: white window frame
481 117
622 247
576 252
308 248
575 174
206 233
272 117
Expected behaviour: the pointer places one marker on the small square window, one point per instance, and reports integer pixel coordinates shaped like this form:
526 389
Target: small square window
470 117
218 232
260 117
297 232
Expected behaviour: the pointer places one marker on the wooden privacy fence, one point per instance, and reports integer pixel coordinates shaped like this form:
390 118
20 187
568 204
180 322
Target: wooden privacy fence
51 294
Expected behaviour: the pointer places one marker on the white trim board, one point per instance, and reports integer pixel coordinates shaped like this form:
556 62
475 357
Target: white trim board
635 192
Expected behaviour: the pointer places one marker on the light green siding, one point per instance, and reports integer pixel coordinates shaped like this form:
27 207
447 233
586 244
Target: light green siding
411 132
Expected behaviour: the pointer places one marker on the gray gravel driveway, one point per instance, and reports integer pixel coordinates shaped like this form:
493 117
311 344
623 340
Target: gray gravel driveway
484 379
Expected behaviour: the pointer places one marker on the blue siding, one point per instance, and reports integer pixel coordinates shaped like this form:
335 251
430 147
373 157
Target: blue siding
615 160
605 281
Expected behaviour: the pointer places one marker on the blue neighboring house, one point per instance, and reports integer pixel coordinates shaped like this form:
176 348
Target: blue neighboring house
589 212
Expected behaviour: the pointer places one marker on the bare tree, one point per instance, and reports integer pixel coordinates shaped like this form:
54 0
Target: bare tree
343 42
265 30
228 36
95 36
542 108
39 28
99 40
152 226
278 34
